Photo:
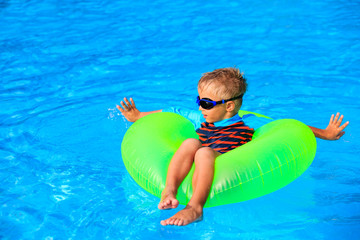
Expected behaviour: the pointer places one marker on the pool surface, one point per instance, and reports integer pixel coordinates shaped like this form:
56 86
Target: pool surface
66 64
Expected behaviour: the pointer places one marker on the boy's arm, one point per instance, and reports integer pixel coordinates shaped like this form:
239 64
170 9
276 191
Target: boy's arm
333 131
130 112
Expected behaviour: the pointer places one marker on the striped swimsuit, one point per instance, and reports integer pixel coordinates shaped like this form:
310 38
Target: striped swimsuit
225 138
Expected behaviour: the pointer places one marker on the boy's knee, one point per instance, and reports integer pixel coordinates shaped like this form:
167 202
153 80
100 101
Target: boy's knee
205 154
192 142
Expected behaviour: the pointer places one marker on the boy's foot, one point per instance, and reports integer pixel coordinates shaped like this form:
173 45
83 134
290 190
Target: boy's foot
184 217
168 200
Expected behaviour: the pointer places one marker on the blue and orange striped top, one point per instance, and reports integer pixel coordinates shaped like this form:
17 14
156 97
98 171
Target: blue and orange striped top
225 138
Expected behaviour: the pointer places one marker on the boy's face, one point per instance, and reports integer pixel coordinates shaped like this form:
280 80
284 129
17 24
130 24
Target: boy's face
218 112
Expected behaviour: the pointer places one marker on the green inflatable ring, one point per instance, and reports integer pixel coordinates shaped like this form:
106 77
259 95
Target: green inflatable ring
279 153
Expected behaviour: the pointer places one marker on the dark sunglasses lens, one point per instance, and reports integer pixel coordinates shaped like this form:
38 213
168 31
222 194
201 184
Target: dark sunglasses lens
206 105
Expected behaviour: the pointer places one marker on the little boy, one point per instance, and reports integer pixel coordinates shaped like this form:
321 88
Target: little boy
220 130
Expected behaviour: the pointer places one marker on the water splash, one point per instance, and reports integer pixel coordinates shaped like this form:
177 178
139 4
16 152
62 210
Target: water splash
115 115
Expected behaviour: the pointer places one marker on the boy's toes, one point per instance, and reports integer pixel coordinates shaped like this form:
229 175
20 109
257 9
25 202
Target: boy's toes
176 221
172 221
168 203
164 222
164 203
180 222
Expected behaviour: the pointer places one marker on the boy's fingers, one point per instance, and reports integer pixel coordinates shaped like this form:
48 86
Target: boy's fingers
336 117
331 119
120 109
124 106
344 126
338 123
132 102
127 103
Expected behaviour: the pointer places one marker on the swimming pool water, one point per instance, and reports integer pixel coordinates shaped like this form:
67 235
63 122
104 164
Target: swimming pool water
66 64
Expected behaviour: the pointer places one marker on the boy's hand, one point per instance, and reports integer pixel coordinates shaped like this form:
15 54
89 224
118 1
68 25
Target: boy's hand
334 131
129 110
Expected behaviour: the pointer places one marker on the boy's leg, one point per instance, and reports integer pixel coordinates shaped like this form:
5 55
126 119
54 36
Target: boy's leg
179 167
202 181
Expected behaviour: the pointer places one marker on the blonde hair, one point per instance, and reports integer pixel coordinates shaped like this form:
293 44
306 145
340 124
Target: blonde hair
225 83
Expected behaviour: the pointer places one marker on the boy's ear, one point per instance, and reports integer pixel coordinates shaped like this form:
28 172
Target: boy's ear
230 106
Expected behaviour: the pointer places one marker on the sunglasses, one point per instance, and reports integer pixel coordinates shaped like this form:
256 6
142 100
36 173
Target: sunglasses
207 103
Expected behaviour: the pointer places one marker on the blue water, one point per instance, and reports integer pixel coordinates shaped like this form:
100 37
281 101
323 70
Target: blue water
65 65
